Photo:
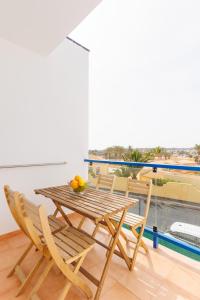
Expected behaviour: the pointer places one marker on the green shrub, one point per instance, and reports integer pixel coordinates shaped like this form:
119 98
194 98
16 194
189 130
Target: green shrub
161 181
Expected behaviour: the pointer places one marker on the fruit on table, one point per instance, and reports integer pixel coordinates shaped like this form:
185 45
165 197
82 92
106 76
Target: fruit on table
78 184
74 184
81 182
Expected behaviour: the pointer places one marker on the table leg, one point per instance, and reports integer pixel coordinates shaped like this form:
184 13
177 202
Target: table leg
59 208
55 212
119 244
115 234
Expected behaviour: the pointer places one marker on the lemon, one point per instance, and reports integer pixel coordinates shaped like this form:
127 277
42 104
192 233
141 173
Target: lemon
81 182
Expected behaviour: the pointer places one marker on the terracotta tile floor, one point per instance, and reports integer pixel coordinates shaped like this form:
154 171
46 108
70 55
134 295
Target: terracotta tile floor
163 274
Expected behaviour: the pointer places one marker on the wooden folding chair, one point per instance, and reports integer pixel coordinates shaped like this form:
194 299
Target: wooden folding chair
135 221
106 182
68 246
56 226
74 245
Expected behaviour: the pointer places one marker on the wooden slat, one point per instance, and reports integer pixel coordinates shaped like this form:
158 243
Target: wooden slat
72 206
120 198
87 196
37 224
70 203
93 204
82 235
71 238
98 194
131 216
138 186
137 190
64 254
78 240
88 275
55 223
105 183
32 211
130 219
106 178
65 247
71 200
86 202
71 242
98 211
113 197
131 223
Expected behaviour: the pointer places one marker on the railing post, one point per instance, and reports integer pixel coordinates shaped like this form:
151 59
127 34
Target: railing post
155 228
155 237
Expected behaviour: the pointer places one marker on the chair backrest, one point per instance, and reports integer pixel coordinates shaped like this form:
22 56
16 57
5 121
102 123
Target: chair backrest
49 238
106 181
28 214
140 187
10 197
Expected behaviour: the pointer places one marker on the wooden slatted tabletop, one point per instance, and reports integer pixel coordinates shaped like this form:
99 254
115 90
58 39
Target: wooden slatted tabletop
94 204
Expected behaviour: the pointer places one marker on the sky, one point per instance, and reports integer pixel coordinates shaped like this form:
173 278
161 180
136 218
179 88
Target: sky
144 73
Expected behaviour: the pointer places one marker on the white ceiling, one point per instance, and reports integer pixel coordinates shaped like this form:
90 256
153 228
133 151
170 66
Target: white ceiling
40 25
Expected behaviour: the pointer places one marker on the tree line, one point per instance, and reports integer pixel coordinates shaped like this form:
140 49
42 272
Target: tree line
137 155
131 154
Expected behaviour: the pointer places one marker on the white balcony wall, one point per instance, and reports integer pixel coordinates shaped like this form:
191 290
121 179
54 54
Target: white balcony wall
43 118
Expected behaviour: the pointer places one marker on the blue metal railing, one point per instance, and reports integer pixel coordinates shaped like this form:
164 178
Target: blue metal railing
166 240
141 164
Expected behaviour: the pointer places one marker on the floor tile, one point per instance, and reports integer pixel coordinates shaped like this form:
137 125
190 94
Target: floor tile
161 275
119 292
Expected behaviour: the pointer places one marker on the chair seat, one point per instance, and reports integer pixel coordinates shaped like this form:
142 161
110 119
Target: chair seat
56 224
72 243
130 219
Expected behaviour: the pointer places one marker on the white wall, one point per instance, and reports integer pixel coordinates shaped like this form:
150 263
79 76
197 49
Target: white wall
43 118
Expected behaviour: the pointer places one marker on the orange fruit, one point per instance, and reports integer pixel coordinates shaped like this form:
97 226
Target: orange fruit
74 184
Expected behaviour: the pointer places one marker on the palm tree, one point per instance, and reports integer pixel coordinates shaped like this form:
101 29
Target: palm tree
137 156
108 152
197 148
114 152
134 156
160 152
197 157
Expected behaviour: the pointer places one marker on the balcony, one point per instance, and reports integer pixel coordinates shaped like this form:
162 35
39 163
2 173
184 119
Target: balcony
163 274
44 140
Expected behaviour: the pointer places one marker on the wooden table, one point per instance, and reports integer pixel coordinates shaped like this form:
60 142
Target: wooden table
98 206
